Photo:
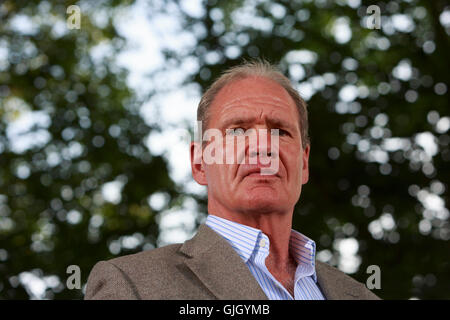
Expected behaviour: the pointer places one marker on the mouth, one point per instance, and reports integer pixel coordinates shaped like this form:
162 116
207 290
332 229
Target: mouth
260 176
256 173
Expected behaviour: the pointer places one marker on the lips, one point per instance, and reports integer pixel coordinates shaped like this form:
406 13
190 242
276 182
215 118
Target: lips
253 174
254 171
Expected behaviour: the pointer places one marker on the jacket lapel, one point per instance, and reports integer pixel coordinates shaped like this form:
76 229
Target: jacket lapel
220 269
217 265
334 284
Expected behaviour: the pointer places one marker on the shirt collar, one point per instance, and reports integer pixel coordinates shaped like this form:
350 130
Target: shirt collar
241 237
244 240
303 250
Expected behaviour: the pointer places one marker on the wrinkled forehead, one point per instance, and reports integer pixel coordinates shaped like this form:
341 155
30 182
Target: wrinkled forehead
252 95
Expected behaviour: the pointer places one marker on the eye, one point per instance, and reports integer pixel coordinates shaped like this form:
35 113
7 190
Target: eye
235 131
279 132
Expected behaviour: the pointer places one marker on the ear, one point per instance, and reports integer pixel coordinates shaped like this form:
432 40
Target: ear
305 167
197 165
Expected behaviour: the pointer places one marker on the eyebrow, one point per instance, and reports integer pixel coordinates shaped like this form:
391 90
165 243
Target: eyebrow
273 122
236 121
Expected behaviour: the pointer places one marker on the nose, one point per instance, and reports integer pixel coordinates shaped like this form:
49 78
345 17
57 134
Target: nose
265 148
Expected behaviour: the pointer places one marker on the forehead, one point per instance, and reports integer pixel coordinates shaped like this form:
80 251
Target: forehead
252 94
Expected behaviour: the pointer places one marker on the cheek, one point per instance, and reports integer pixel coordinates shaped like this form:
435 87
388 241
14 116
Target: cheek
218 174
292 161
211 174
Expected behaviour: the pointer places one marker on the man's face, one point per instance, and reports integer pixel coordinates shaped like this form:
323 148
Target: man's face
256 103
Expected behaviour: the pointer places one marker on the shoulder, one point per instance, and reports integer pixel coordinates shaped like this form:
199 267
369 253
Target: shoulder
120 278
165 252
325 268
340 285
149 260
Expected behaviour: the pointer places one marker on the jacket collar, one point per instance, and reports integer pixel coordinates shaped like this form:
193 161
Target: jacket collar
225 275
336 285
219 267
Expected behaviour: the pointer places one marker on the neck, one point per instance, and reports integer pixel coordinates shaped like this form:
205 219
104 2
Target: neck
275 224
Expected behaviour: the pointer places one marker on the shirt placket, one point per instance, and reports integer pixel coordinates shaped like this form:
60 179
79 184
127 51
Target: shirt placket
262 247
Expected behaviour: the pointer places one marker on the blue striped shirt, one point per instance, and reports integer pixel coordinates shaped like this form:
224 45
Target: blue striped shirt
252 245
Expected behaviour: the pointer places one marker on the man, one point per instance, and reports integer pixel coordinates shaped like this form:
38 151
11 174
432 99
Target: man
246 249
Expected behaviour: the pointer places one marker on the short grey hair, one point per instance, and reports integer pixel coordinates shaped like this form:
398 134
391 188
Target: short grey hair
254 68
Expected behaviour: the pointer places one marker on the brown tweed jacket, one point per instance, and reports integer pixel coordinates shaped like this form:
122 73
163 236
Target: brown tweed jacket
205 267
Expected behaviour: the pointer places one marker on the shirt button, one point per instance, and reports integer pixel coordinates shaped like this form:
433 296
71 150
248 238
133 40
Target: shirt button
262 243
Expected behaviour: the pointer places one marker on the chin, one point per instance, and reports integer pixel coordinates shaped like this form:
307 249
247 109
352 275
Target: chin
264 201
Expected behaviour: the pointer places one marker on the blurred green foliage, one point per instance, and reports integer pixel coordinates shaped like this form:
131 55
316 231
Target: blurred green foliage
51 209
392 199
373 97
